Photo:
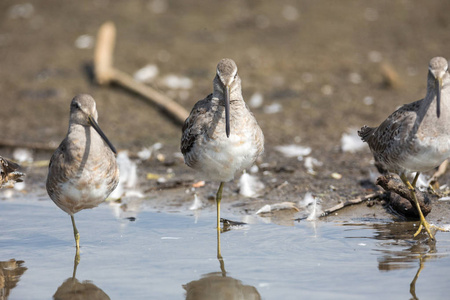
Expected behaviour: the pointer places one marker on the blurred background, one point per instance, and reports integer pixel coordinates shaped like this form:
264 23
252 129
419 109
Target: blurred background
316 66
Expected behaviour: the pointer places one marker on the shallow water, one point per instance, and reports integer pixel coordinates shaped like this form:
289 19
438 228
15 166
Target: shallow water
160 255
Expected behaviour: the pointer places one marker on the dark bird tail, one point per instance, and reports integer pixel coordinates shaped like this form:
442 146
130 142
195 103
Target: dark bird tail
366 132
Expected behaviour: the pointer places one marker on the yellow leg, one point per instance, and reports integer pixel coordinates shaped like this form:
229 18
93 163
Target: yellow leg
219 254
412 285
423 222
218 199
75 233
76 261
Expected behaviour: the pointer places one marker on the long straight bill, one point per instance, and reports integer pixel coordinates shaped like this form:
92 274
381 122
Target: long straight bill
438 96
227 110
97 128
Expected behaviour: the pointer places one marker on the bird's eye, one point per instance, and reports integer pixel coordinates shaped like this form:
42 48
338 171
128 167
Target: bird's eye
76 105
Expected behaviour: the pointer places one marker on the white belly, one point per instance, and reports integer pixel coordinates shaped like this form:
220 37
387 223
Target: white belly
221 159
427 157
83 193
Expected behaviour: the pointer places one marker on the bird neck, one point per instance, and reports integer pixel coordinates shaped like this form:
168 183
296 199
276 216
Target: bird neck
428 108
84 135
235 96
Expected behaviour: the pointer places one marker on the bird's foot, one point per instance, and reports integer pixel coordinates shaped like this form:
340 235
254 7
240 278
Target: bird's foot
434 191
420 230
429 227
437 228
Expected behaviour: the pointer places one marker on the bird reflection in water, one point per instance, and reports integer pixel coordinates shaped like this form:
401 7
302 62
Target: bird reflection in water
422 259
399 252
73 289
10 272
218 285
420 251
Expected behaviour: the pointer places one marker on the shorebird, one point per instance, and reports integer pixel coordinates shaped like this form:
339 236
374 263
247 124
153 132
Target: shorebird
221 136
83 170
416 137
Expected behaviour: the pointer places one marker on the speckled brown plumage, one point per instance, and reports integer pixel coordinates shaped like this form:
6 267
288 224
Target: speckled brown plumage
416 137
204 143
83 170
221 137
414 131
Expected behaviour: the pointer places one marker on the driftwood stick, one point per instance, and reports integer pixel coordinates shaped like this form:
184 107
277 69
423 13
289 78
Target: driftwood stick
358 200
103 55
105 74
341 205
400 198
174 109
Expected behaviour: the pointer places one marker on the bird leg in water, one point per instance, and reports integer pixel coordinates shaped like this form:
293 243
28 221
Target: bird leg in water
219 255
75 233
218 199
76 261
423 222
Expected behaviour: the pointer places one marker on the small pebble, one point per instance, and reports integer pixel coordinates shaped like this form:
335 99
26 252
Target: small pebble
375 56
327 90
256 100
336 176
146 74
355 78
368 100
273 108
84 42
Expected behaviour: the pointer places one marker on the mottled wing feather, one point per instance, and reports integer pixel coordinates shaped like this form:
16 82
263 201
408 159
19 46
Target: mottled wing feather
59 173
114 180
386 141
57 166
196 124
397 127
